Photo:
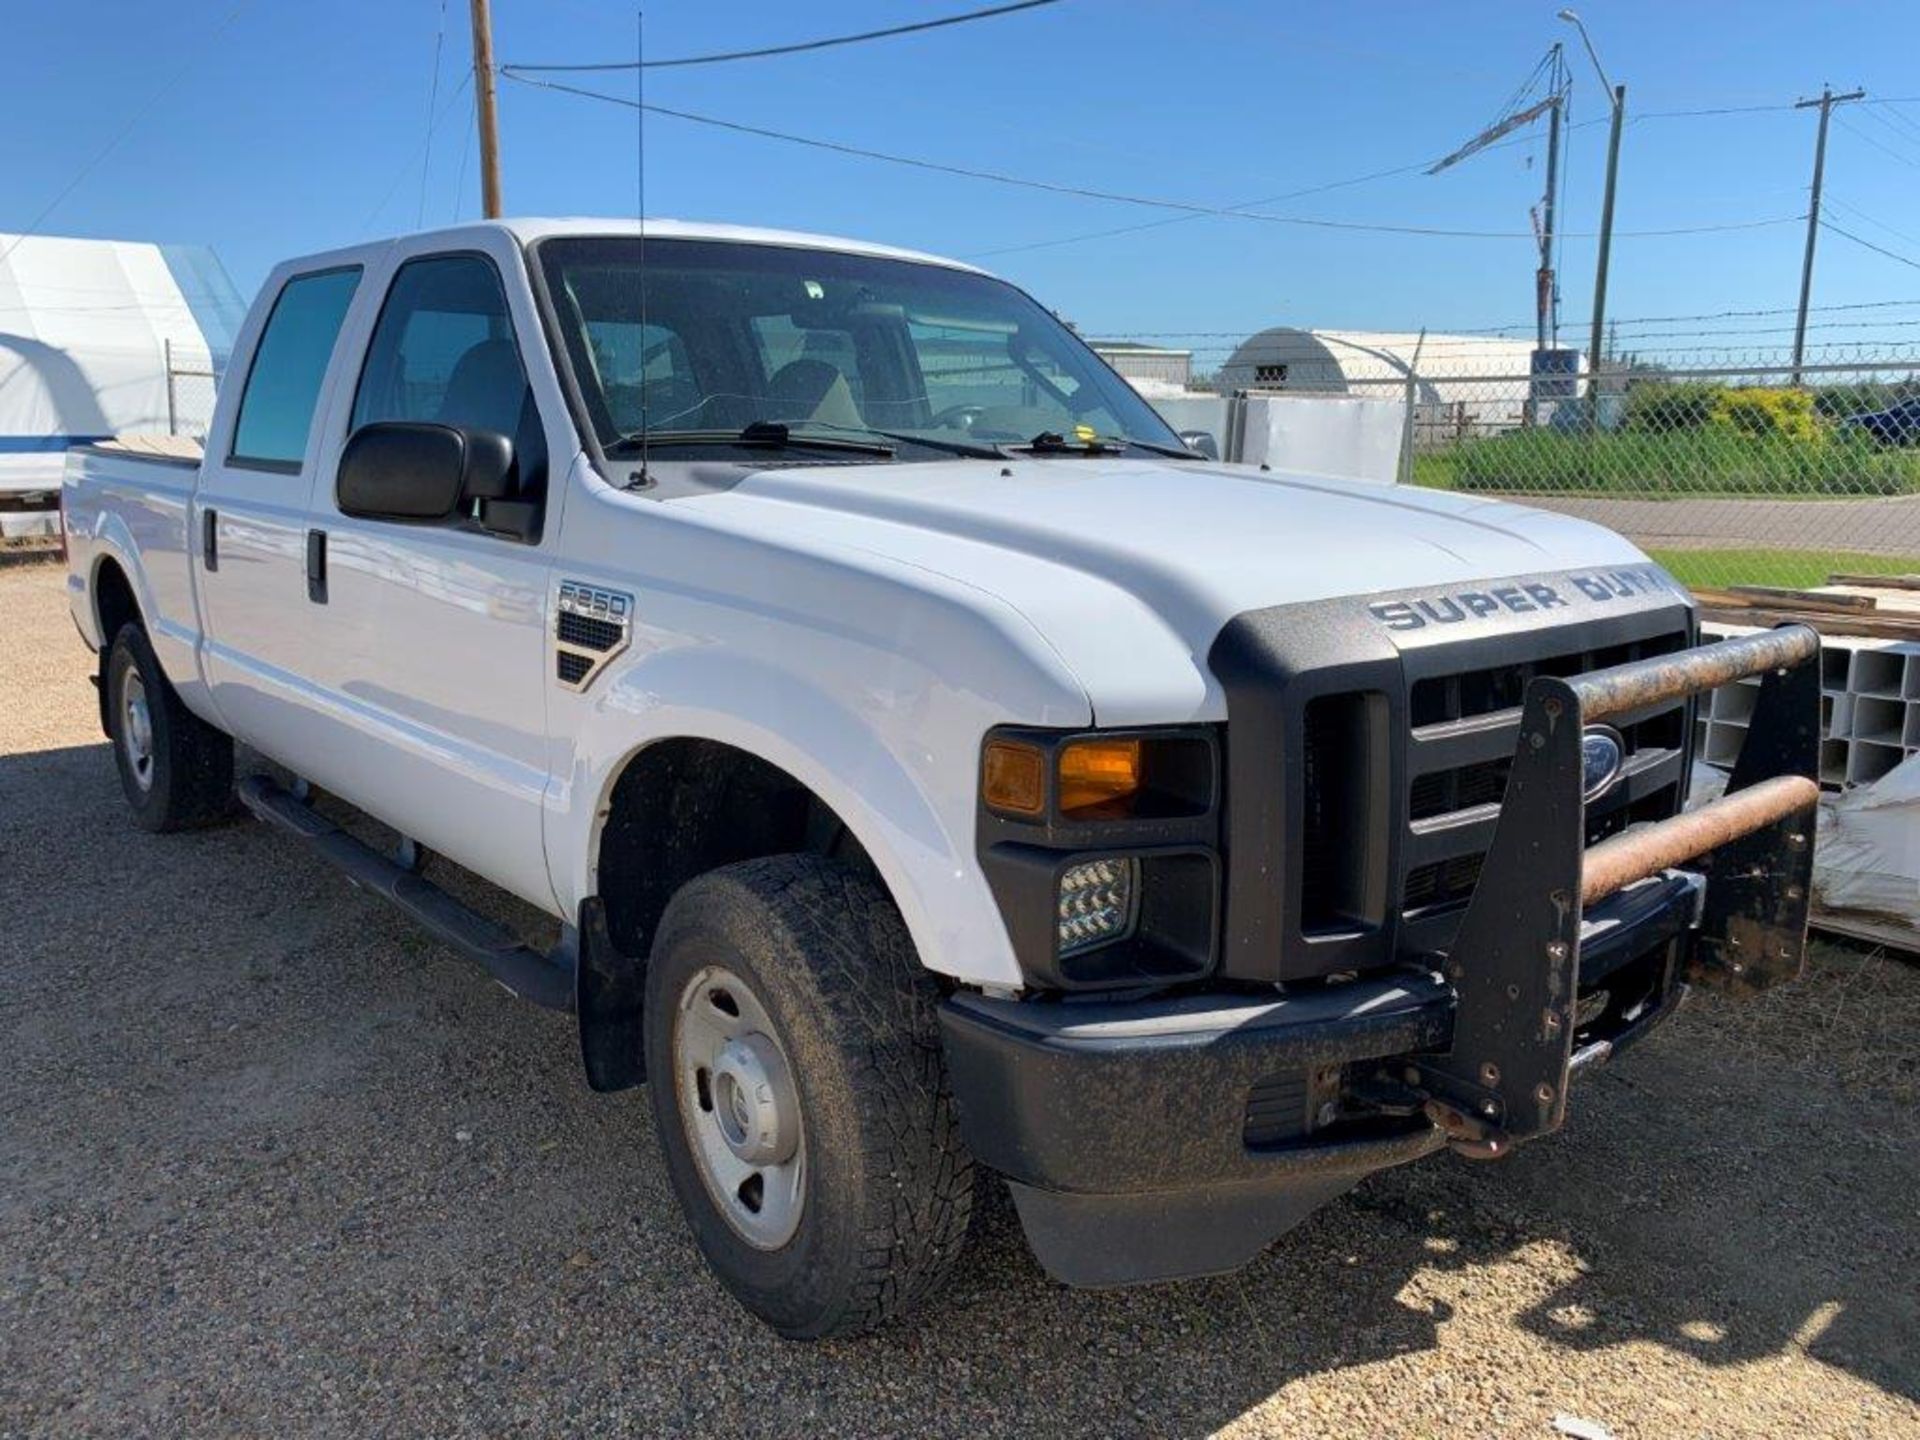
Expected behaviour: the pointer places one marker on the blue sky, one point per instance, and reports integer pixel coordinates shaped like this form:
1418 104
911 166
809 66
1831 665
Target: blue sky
298 127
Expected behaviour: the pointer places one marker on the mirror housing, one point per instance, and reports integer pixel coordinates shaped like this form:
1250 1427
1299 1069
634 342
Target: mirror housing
1202 441
410 470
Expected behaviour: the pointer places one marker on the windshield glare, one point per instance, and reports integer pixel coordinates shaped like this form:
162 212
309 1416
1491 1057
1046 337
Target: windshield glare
735 334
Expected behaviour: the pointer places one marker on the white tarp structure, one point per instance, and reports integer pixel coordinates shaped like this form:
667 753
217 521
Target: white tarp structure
86 328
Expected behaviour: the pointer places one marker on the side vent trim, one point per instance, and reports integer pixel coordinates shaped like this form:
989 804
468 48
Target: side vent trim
590 627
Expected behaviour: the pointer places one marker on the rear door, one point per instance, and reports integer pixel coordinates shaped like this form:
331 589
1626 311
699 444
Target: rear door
432 637
250 511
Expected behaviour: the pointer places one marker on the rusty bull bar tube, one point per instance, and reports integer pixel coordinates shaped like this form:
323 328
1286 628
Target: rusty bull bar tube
1607 693
1515 958
1616 863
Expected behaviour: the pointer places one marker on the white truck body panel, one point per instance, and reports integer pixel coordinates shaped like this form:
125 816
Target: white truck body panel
860 627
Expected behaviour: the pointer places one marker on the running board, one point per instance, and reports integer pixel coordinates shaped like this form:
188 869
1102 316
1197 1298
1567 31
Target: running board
546 981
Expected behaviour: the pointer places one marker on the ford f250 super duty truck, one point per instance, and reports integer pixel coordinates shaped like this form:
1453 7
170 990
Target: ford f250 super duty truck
937 765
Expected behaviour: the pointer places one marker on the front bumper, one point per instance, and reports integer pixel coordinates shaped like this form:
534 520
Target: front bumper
1157 1138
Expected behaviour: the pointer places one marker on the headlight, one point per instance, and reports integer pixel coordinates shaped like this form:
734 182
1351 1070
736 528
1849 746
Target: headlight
1151 776
1098 903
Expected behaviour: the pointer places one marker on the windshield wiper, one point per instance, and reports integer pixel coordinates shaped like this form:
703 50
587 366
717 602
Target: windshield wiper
971 449
760 435
1172 452
1048 443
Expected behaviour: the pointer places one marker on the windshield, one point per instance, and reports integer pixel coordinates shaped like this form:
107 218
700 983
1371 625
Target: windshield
823 343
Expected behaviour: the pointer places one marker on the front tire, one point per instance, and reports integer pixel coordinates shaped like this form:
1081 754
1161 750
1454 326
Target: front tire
800 1094
176 770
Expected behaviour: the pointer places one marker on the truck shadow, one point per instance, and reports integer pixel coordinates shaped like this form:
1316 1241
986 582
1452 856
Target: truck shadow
200 1026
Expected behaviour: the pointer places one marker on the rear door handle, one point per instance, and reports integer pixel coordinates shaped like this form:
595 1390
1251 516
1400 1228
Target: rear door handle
317 566
210 538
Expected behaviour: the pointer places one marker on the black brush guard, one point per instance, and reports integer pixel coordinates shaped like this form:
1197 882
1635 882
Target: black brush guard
1515 962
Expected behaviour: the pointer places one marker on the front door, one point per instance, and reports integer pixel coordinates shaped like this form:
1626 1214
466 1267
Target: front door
432 637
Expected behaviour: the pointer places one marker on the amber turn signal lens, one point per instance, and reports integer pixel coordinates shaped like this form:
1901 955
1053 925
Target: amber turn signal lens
1099 778
1013 777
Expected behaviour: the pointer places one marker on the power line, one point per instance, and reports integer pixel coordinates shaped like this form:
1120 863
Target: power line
1858 213
1875 142
1885 118
1492 331
1877 249
433 107
126 129
795 49
1116 197
1183 219
1419 165
401 174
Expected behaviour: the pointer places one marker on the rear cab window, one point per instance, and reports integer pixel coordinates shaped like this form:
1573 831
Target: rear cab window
288 367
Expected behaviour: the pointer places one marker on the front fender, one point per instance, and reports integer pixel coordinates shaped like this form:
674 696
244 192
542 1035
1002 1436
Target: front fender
901 778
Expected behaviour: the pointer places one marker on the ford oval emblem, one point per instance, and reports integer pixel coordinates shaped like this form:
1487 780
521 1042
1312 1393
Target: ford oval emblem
1602 756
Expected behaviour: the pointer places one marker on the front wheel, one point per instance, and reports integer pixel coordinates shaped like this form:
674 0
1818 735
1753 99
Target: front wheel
176 770
800 1095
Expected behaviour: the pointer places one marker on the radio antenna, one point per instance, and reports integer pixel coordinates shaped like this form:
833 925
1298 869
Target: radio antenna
640 188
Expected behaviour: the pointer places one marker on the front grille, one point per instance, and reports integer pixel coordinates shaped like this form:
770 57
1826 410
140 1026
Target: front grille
1343 808
1446 792
1442 883
1464 725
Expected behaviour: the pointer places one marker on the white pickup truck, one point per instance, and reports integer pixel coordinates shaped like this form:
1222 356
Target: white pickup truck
938 766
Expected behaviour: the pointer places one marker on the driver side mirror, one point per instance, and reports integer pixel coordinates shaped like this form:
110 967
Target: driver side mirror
410 470
1202 441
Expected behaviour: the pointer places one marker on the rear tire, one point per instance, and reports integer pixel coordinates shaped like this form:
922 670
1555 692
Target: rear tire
800 1094
176 770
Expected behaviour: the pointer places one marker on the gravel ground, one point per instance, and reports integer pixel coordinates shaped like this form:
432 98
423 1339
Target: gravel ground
272 1163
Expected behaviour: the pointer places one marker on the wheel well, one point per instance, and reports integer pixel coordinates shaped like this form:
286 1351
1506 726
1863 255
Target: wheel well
113 606
113 601
683 807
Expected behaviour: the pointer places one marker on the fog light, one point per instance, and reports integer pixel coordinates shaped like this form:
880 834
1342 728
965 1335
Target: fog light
1098 900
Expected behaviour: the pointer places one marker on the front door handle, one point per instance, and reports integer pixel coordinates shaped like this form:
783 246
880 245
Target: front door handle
317 566
210 538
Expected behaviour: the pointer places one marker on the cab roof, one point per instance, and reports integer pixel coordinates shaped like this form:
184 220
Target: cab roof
527 230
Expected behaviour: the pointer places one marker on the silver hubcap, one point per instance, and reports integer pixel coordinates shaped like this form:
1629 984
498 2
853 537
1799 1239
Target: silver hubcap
738 1105
136 729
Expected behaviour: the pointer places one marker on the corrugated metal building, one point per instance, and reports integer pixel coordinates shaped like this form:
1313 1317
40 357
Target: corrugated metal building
1463 383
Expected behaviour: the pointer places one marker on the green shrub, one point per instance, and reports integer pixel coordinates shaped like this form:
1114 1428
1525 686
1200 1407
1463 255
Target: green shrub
1837 402
1772 413
1663 406
1713 459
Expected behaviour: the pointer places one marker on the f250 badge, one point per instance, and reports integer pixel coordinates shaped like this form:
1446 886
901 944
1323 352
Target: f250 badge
1519 597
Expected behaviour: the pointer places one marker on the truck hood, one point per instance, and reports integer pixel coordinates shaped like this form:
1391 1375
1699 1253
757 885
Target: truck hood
1130 568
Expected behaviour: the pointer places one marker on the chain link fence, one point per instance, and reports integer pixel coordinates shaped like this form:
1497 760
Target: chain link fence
1742 473
191 382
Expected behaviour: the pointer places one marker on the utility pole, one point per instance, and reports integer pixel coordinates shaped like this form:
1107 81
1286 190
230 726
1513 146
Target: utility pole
1826 102
1606 240
1546 330
1619 95
487 116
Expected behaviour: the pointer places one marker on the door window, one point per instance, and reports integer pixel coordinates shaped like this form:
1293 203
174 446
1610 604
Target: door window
444 351
289 363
